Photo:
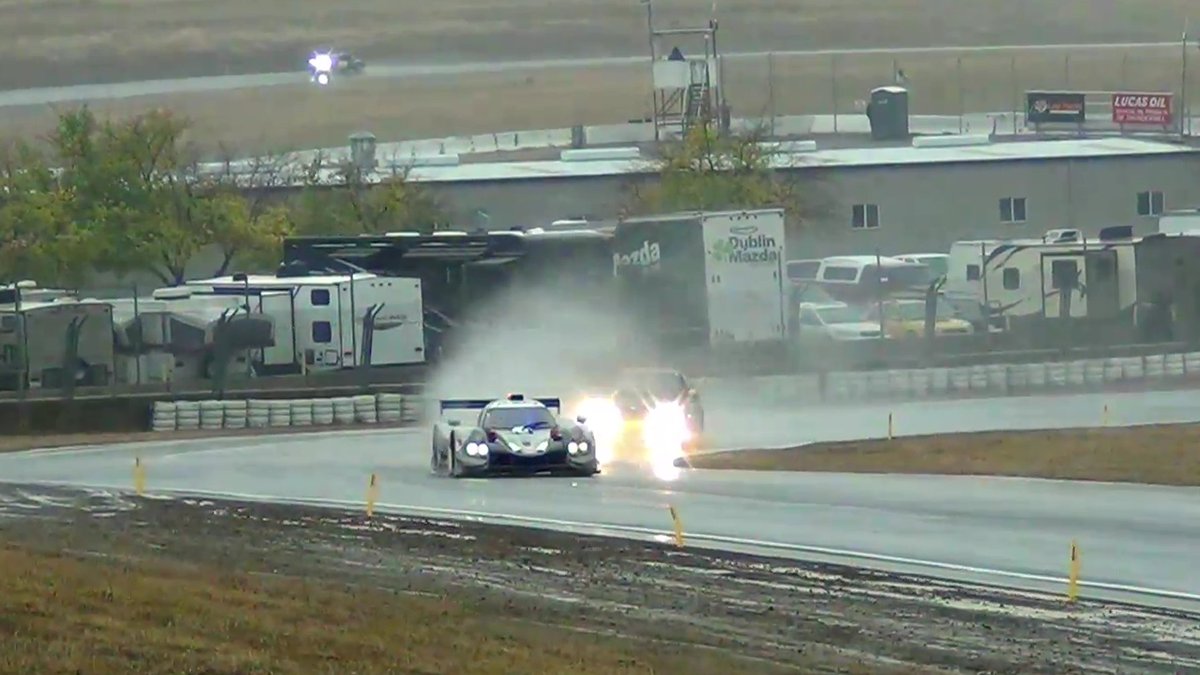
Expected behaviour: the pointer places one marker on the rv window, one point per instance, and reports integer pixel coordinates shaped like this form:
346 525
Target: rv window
1150 203
840 274
1012 278
972 272
322 332
319 296
864 217
1064 274
8 323
1101 269
1012 210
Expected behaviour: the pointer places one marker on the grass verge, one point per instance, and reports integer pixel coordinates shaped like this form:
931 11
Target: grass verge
1160 455
285 117
61 614
73 41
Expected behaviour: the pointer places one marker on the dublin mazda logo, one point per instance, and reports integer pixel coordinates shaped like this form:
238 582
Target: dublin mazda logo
746 245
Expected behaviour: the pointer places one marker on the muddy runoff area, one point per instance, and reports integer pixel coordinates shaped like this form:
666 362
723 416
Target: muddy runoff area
777 614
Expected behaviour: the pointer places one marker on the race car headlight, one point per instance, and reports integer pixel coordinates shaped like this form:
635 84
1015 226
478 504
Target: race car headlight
572 447
321 62
477 449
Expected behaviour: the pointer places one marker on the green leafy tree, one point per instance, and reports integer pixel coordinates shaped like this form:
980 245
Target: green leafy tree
148 205
341 200
706 171
38 238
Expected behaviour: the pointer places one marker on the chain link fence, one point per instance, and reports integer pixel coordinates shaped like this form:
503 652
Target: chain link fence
952 83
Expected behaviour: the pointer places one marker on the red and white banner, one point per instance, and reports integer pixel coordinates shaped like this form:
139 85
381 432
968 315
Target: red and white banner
1142 109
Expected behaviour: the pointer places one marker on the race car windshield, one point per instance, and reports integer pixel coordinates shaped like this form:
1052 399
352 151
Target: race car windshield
518 418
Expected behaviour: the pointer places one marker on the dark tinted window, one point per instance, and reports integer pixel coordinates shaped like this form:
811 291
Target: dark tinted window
320 296
322 332
517 417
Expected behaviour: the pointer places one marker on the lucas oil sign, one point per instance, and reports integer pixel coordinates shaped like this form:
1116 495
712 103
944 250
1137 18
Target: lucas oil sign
1133 108
746 245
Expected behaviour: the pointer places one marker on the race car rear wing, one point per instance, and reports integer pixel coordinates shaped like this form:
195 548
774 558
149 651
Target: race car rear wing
554 404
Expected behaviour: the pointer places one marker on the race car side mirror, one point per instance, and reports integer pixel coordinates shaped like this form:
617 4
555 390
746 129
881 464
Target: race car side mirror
453 423
581 419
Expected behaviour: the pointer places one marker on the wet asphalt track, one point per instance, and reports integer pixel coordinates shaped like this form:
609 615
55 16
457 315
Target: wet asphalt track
1138 542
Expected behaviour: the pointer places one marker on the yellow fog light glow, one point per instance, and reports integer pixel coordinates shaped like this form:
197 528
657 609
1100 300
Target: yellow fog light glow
604 420
665 432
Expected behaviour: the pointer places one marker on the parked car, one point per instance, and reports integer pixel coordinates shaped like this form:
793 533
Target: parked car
836 321
906 319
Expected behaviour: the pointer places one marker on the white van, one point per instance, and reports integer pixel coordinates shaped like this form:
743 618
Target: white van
860 278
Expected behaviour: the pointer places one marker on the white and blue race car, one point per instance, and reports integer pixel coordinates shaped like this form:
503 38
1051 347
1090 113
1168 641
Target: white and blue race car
512 435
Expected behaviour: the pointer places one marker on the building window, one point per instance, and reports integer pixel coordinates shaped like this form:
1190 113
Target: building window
1012 210
972 272
322 332
1150 203
319 296
864 217
1012 278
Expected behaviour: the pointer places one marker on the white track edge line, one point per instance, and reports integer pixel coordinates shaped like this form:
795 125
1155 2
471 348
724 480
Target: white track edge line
499 518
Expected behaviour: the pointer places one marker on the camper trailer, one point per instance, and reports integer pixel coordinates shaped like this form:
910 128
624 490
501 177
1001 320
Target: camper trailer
176 335
331 322
1060 276
36 343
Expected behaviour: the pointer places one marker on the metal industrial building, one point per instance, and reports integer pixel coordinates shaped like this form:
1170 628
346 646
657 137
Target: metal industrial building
890 199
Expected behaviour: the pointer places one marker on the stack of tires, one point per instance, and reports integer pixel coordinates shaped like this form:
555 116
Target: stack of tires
343 410
258 413
212 415
279 413
187 415
322 411
235 414
162 417
302 412
390 408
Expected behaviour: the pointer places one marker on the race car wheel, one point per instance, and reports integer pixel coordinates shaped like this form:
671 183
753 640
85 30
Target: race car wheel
435 462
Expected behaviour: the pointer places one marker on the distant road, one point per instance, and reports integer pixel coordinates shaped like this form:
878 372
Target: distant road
395 69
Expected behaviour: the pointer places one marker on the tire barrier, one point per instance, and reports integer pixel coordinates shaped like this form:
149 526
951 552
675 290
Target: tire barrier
212 415
1016 378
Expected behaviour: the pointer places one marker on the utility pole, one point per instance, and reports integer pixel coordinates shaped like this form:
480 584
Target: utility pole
1185 119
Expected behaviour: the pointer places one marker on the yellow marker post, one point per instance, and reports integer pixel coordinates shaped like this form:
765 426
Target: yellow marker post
1073 578
372 495
891 426
139 476
678 526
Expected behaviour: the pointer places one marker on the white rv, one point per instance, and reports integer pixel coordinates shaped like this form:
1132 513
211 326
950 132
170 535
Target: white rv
1061 275
34 342
1182 221
332 322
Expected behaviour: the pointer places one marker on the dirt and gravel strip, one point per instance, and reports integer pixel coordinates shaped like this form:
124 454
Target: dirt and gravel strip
1153 454
661 602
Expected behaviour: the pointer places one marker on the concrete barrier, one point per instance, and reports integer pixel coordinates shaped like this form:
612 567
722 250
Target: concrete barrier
935 383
